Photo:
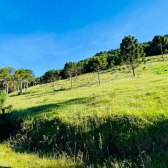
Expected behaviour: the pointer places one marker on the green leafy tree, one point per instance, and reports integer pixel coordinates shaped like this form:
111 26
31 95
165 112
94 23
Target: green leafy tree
70 69
80 69
27 77
131 51
56 77
3 102
6 76
98 63
52 76
20 76
160 40
33 79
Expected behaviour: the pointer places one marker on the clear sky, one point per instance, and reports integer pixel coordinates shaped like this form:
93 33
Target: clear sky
45 34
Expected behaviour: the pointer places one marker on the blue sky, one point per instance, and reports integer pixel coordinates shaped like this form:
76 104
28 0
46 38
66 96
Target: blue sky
45 34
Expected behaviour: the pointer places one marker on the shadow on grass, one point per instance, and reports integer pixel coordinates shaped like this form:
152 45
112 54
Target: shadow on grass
61 89
47 107
32 94
95 139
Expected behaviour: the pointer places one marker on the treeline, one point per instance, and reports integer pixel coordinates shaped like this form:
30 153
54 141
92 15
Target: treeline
12 80
150 48
130 50
113 58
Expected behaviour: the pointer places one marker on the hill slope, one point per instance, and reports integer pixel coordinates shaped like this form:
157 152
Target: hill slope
121 123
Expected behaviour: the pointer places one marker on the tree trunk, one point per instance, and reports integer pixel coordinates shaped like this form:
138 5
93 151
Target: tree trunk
14 87
54 85
24 86
133 69
7 87
99 77
71 80
18 87
21 86
3 111
27 85
161 50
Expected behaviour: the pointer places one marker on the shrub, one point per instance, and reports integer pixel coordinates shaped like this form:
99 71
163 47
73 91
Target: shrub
3 102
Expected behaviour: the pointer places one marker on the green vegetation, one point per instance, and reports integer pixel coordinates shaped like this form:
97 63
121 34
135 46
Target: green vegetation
160 40
98 63
3 102
121 123
6 76
70 70
131 51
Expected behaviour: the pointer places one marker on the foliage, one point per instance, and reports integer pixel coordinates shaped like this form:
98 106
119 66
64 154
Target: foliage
160 40
23 75
84 66
6 76
166 51
80 67
3 99
97 63
71 69
131 51
51 76
3 102
114 125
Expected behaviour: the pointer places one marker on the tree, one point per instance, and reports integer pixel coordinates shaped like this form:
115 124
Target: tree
3 102
56 77
80 68
98 63
131 50
20 76
113 58
52 76
28 76
6 76
70 69
33 78
160 40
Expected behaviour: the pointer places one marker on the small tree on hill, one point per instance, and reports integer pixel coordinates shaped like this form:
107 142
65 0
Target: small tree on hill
70 69
3 102
27 77
98 63
52 76
131 50
160 40
6 76
20 76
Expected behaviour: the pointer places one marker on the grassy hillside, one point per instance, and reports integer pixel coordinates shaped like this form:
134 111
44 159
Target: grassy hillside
121 123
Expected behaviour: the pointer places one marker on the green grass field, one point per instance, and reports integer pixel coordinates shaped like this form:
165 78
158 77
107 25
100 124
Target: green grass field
121 123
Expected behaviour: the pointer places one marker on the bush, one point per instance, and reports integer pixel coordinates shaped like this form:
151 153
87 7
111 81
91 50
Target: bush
3 102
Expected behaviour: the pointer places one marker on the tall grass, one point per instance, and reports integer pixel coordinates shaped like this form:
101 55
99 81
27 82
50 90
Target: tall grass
122 123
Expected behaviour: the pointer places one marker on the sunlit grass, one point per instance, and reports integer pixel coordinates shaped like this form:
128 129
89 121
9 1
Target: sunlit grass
87 110
8 158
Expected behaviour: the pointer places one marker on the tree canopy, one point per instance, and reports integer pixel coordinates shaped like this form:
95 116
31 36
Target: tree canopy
131 50
160 40
70 69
